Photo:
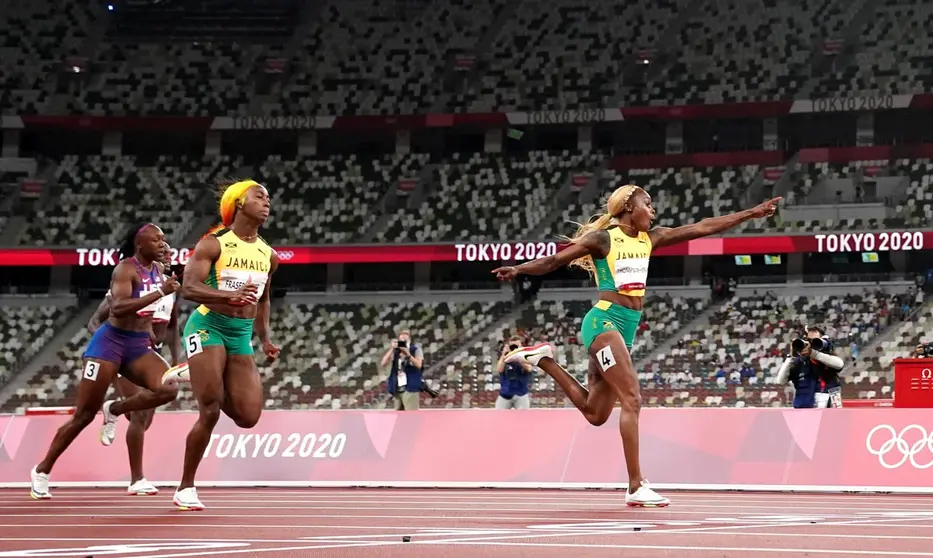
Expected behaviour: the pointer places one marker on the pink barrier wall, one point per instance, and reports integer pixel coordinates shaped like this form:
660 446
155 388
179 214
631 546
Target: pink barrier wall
776 448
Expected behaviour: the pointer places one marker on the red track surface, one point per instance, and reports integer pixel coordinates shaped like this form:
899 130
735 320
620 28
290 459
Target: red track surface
351 523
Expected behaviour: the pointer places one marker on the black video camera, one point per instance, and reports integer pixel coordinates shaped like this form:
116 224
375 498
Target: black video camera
925 351
401 344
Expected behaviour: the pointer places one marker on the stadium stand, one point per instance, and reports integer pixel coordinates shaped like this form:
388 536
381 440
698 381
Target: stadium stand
24 330
96 198
35 39
331 200
484 196
734 51
564 53
741 347
365 57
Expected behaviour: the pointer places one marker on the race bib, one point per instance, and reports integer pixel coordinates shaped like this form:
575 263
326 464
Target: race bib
631 273
151 309
402 379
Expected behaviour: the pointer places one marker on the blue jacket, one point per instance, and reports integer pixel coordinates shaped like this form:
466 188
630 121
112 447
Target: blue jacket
513 381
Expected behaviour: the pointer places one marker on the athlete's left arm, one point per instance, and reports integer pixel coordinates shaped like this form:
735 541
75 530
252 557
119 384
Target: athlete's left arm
100 315
666 236
261 324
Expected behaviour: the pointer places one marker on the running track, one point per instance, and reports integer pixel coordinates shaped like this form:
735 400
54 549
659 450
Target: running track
363 522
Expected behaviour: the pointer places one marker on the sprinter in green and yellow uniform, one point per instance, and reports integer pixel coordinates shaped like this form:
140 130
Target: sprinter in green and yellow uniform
616 248
229 275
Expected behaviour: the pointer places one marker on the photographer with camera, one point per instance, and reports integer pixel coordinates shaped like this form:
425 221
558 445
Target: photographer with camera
924 351
513 379
405 381
814 371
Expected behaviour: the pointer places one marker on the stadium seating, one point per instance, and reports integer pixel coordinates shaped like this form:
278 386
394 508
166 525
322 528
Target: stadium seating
366 57
891 58
331 200
875 376
24 330
756 331
177 78
483 196
99 197
564 54
35 39
733 51
679 195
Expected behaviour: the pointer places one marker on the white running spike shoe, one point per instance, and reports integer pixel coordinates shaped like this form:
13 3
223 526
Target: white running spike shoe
176 374
39 485
644 497
142 487
187 499
108 432
531 355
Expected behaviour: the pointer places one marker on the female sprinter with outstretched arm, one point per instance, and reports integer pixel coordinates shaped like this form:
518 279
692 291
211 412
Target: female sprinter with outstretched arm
616 249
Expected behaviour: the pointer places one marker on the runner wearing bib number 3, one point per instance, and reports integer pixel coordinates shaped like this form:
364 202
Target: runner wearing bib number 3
615 248
121 345
228 274
164 327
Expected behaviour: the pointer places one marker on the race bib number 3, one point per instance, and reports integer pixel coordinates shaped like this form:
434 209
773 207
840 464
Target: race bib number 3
91 369
193 345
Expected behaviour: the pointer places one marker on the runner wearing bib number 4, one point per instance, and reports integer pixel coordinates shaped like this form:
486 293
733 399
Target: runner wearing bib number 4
615 248
229 275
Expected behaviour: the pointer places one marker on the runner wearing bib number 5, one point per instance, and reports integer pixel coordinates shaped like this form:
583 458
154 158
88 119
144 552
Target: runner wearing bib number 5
615 248
229 275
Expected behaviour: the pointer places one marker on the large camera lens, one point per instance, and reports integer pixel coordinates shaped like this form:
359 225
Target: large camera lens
816 344
513 347
797 345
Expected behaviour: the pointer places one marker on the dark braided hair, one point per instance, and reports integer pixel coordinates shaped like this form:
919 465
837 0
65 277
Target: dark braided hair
128 246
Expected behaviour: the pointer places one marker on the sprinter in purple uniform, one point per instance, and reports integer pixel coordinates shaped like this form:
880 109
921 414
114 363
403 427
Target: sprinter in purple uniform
121 344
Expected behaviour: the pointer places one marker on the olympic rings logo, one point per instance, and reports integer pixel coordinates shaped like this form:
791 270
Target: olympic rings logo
285 255
897 443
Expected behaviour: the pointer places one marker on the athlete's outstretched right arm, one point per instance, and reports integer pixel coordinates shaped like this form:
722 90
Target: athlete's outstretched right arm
596 244
196 270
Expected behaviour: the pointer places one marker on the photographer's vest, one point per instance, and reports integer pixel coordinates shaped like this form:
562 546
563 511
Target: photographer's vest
404 376
806 383
513 382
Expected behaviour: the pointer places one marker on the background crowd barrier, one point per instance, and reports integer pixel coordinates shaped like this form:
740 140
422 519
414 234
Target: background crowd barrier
746 449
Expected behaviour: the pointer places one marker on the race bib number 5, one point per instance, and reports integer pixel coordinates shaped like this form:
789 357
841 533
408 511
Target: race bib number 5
193 345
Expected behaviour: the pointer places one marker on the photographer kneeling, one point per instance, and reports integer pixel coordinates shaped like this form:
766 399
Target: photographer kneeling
405 381
513 379
814 371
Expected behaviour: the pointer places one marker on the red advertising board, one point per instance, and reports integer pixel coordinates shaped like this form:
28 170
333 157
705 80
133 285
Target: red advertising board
878 241
913 382
763 448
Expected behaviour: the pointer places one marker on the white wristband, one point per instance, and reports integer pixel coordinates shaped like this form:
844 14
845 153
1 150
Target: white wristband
161 292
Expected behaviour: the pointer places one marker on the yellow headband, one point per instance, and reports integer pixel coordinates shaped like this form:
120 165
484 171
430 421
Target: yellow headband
233 195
